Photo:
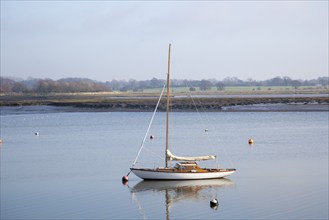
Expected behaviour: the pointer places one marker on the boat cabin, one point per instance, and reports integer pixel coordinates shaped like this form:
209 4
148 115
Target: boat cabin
187 166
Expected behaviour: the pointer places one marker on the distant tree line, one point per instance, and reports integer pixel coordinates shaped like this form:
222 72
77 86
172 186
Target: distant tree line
206 84
67 85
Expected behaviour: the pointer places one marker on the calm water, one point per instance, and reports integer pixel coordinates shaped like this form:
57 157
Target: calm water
73 168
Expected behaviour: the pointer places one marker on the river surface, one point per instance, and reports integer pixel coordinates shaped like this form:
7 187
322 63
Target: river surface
69 165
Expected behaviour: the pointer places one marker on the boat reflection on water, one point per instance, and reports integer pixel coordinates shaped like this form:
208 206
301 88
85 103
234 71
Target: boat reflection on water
180 191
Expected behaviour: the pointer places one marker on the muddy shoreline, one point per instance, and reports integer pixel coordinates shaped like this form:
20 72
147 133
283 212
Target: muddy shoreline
205 104
178 103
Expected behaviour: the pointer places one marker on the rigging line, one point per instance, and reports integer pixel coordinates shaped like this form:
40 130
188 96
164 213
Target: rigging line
139 207
197 110
155 154
217 139
149 126
201 119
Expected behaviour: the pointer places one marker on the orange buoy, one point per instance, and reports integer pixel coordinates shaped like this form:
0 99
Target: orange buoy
250 141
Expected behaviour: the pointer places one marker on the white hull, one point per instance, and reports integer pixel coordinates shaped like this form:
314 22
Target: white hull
148 174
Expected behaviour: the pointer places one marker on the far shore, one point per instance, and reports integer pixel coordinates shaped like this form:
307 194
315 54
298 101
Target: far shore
147 102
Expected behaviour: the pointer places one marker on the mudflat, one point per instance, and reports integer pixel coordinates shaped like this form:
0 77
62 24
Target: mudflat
109 101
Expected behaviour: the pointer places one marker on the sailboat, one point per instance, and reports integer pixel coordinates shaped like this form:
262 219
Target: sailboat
186 168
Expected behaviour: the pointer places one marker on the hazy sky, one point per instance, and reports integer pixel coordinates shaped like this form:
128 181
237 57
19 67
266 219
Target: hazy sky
107 40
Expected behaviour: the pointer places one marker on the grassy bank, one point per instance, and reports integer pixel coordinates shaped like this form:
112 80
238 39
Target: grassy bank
146 101
211 100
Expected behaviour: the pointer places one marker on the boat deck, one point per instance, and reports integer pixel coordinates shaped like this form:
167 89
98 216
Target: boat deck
175 170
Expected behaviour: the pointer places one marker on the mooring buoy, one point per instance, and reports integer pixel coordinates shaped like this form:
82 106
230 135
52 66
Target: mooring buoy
125 180
250 141
214 203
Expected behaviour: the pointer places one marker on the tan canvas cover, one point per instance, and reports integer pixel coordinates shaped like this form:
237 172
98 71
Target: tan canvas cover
173 157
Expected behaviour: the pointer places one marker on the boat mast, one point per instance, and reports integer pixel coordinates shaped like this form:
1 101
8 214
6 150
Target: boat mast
167 110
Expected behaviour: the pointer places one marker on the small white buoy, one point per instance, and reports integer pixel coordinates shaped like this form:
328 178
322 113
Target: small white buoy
214 203
36 133
151 137
250 141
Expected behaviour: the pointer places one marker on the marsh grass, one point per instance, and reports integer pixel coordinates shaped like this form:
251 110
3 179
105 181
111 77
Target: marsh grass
146 99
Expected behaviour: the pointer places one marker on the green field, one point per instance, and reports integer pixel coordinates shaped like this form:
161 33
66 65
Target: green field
245 89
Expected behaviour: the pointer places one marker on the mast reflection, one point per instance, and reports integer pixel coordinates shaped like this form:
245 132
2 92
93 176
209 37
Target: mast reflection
180 191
